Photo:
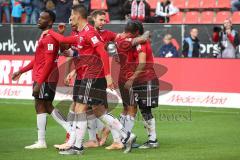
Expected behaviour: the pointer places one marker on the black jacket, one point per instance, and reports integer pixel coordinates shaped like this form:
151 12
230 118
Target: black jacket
196 48
115 9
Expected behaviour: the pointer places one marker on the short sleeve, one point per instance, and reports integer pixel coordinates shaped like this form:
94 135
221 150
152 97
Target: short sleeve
141 48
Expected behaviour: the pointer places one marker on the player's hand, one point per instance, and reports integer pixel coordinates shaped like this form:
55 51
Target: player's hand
128 84
68 53
69 77
116 58
110 83
16 75
36 89
228 31
61 28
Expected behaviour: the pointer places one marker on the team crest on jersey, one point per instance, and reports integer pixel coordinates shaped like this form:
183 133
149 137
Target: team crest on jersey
94 40
50 47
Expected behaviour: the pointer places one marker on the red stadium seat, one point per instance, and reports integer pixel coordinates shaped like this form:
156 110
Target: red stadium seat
179 3
207 17
177 18
208 4
224 4
192 17
236 17
222 16
153 3
193 4
98 4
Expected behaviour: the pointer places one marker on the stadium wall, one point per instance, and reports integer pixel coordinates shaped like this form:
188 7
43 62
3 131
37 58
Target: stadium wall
183 82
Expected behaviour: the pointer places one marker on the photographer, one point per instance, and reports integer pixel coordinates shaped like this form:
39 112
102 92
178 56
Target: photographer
227 38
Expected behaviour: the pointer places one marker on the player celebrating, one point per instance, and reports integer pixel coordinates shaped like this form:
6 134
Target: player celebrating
45 80
138 82
91 90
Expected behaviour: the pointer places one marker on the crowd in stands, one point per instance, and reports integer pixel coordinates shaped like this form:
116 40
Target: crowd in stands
149 11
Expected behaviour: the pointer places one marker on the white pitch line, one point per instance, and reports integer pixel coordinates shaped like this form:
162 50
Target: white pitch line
201 111
119 106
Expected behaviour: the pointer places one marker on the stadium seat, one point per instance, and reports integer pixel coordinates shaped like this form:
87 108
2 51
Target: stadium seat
192 17
177 18
208 4
222 16
98 4
224 4
236 17
193 4
181 4
207 17
153 3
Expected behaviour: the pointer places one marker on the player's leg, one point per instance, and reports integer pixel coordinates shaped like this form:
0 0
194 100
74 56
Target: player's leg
81 98
92 130
148 99
41 120
99 109
70 140
41 125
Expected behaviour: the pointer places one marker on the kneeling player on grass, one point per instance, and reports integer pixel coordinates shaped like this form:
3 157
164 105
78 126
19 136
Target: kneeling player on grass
45 80
91 90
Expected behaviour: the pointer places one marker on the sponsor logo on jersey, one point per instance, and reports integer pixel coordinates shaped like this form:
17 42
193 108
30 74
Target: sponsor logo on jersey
50 47
94 40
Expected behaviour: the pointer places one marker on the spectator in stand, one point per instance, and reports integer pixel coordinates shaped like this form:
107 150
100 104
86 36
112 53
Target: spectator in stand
168 50
227 38
137 10
17 11
27 5
115 10
4 8
191 45
50 5
38 7
86 3
164 11
63 10
235 5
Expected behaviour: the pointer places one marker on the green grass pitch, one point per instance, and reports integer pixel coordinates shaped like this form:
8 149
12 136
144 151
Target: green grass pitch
184 133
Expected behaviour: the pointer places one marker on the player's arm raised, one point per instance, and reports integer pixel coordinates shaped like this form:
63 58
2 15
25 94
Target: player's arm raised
62 39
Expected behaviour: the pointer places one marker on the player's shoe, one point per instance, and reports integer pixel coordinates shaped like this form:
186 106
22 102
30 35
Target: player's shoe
115 146
91 144
135 145
72 151
131 138
63 146
149 144
37 145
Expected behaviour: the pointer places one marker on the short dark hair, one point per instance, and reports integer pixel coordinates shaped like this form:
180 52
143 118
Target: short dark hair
51 14
81 9
90 20
131 27
140 27
98 12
